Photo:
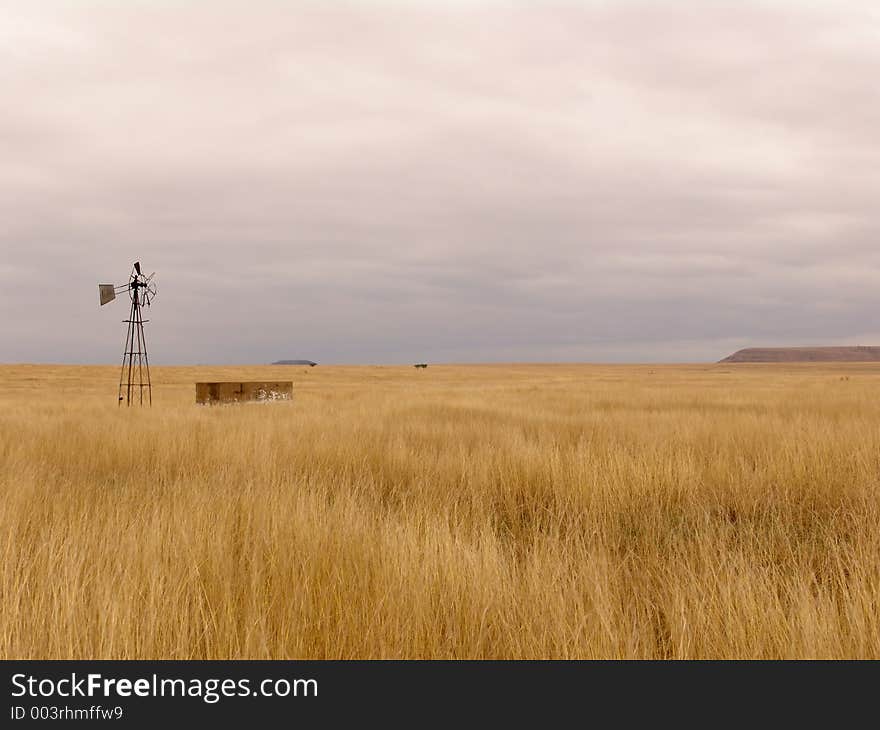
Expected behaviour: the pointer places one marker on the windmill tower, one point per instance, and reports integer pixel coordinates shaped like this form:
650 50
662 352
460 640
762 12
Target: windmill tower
134 378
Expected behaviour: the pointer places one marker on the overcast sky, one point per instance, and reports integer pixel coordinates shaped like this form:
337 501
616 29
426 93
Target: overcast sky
444 182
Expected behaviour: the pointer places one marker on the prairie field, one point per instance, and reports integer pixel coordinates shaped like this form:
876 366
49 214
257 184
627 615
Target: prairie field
496 511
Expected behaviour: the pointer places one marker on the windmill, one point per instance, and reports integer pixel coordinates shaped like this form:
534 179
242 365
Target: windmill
135 375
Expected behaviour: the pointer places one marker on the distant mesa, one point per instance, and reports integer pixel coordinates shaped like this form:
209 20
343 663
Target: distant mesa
295 362
858 353
420 365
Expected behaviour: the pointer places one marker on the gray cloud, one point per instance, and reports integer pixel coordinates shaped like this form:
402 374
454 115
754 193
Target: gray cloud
356 182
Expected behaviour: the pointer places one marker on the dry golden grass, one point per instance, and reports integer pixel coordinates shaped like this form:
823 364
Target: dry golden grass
456 512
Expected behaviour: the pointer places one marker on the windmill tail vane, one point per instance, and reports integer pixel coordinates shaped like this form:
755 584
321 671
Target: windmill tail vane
135 387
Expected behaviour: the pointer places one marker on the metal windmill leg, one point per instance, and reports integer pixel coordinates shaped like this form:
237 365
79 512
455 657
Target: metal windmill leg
131 324
125 353
147 365
140 346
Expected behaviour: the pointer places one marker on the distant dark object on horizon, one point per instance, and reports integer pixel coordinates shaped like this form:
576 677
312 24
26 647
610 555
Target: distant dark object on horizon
806 354
420 365
295 362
